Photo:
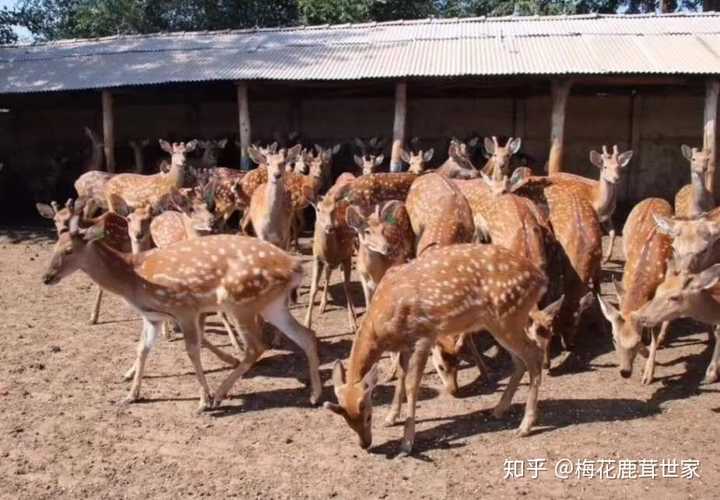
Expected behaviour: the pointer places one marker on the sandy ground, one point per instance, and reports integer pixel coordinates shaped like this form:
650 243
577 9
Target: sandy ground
62 433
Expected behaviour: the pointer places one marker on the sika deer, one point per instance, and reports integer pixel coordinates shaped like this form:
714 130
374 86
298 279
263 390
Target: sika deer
602 194
647 251
386 239
135 189
695 198
369 164
240 276
332 246
417 162
445 292
458 165
498 164
695 241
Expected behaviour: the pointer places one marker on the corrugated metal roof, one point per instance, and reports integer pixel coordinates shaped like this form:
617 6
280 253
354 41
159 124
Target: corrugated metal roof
555 45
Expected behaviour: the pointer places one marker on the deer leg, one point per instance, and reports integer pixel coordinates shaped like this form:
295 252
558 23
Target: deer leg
192 335
96 307
231 333
649 371
477 357
278 314
403 358
416 367
366 289
663 334
323 301
347 268
513 383
712 374
317 270
610 227
394 368
531 356
147 341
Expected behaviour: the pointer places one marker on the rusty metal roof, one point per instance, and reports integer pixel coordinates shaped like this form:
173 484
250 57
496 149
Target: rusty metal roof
554 45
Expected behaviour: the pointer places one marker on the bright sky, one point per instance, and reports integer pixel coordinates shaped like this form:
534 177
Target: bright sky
24 34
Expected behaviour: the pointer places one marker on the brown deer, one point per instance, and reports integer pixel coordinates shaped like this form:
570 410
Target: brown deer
369 164
137 146
647 252
498 163
444 292
459 165
332 246
695 198
240 276
417 161
305 189
385 239
601 194
270 211
210 154
695 241
135 189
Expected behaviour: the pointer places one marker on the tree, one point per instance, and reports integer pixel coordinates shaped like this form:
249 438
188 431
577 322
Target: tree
7 21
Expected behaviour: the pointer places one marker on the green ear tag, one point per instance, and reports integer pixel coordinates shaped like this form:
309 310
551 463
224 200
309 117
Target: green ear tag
390 219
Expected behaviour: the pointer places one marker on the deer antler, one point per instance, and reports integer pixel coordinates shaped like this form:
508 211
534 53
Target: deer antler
605 151
615 150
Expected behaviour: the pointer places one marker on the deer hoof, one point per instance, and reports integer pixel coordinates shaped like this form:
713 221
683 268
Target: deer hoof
647 379
406 447
128 376
711 375
499 411
128 400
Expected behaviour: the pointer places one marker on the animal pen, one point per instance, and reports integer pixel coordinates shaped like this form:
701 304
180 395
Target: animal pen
565 85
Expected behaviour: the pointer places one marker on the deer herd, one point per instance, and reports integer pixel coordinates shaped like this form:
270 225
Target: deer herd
444 256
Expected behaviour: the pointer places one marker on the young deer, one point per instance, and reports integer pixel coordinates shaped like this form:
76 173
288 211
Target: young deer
332 246
240 276
445 292
498 163
369 164
137 147
458 165
270 211
601 194
304 189
417 162
135 189
386 239
695 198
647 252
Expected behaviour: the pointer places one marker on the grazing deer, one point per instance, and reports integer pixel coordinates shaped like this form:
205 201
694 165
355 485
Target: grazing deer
332 246
445 292
647 252
240 276
417 161
601 194
386 239
137 147
498 163
695 198
458 165
270 211
135 189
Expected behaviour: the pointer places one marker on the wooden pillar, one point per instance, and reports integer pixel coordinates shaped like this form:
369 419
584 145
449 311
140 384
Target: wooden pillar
108 130
399 126
634 143
712 89
560 93
244 124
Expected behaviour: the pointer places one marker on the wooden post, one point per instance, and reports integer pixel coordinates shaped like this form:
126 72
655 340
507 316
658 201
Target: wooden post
399 126
244 124
712 89
635 140
108 130
560 93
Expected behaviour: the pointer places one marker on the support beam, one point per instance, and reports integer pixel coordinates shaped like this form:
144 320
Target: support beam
560 93
108 130
399 126
712 90
244 124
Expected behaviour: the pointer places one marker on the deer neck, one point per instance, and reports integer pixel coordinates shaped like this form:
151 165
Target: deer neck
605 198
374 264
366 351
702 199
275 200
112 270
187 222
176 176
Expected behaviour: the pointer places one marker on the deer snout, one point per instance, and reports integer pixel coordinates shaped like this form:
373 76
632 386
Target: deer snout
50 278
626 372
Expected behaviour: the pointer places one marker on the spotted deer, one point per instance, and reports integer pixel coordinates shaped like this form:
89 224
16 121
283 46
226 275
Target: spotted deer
695 240
138 146
601 194
210 153
242 277
270 211
385 240
305 189
647 252
498 163
369 164
695 198
135 189
226 200
417 161
444 292
459 165
332 246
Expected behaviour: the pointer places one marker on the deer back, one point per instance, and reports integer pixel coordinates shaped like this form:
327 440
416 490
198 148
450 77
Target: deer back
369 190
167 228
251 181
91 185
684 201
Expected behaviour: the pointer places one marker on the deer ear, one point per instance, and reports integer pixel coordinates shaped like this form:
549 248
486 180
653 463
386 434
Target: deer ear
354 219
489 145
404 155
255 155
165 146
359 143
514 145
708 278
121 208
45 211
519 178
379 159
551 310
473 142
665 225
222 143
686 152
191 146
427 155
370 379
293 152
335 408
596 159
389 212
338 377
625 158
608 310
358 160
336 148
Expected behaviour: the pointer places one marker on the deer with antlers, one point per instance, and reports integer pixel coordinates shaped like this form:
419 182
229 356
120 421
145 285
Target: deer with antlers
444 292
417 160
240 276
601 194
695 198
647 252
135 189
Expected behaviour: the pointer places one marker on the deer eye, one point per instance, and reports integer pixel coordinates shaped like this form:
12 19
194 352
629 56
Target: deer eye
674 298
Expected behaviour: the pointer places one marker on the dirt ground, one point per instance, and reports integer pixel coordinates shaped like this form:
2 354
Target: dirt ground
62 433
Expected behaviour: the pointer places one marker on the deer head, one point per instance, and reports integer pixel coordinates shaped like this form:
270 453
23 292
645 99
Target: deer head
695 241
371 229
417 162
611 165
139 225
355 402
274 161
501 155
211 151
369 163
459 152
627 336
302 163
699 160
504 185
327 154
542 322
178 151
60 216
